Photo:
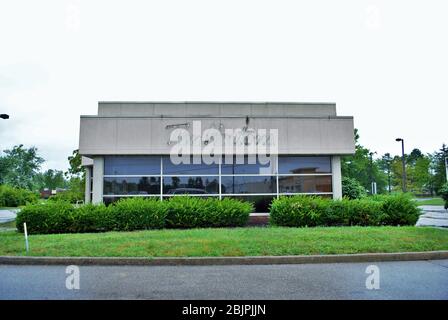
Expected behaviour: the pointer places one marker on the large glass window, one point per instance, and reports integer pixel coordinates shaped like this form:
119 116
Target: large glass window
248 184
132 186
300 165
256 182
170 168
191 185
304 184
131 165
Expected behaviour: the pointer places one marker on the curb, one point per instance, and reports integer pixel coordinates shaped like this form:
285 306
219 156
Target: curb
212 261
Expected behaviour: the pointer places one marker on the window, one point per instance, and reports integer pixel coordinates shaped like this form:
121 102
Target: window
132 186
131 165
157 176
303 165
248 168
248 184
170 168
304 184
191 185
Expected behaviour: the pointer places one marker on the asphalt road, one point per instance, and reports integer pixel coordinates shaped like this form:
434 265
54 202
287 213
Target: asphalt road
398 280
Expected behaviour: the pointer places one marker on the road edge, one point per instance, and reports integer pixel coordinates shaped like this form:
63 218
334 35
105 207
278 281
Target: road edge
209 261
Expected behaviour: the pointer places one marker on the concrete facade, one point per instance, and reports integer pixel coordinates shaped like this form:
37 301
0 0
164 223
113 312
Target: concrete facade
144 128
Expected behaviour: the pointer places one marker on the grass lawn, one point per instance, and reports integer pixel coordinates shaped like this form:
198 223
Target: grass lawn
229 242
432 202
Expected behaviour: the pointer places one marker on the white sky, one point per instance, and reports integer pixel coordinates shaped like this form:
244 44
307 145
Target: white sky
384 62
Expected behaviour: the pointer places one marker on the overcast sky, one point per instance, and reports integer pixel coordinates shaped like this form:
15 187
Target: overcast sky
383 62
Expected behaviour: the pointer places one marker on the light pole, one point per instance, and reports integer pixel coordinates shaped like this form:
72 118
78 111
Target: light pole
403 162
372 183
446 168
4 116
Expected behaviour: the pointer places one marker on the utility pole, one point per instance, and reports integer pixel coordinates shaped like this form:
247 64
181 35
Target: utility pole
403 160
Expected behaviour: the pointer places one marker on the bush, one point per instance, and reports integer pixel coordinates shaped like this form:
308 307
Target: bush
54 217
352 189
194 212
398 209
134 214
67 196
300 211
12 197
92 218
444 194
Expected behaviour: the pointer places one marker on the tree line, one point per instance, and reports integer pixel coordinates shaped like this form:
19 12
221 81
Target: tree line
425 172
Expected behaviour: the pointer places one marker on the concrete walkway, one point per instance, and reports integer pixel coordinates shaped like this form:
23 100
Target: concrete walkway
7 215
434 216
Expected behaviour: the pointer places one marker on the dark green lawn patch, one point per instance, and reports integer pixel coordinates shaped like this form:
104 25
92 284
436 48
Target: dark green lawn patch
229 242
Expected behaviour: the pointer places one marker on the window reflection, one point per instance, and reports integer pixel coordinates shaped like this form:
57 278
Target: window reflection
191 168
250 184
132 186
304 184
295 165
190 185
131 165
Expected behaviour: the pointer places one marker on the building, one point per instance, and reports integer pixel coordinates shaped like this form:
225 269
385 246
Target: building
126 150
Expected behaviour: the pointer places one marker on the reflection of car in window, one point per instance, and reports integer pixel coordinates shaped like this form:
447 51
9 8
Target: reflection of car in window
186 191
137 192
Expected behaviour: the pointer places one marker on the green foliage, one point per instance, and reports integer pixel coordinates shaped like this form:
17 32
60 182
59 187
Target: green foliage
13 197
134 214
50 179
363 168
19 166
352 189
53 217
443 191
438 166
300 211
67 196
138 213
398 209
194 212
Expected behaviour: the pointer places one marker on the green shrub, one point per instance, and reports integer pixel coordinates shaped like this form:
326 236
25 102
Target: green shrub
444 194
398 209
363 212
136 214
56 217
352 189
92 218
13 197
195 212
298 211
67 196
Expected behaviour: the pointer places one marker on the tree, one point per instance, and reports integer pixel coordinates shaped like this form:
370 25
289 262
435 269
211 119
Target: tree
76 174
438 167
74 161
19 166
360 167
50 179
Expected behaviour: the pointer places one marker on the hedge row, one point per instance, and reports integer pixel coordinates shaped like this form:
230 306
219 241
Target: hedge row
13 197
134 214
300 211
